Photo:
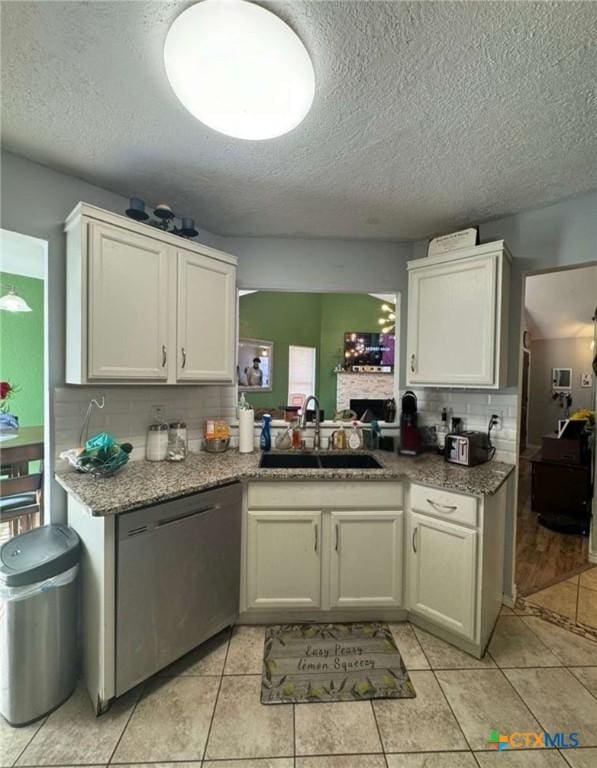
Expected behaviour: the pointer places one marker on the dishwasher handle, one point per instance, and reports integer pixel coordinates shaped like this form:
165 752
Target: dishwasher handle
165 521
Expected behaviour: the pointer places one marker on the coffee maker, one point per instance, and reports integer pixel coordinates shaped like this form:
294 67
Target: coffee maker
410 439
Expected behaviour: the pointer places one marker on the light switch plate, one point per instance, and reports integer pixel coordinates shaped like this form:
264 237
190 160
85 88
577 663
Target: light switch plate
586 379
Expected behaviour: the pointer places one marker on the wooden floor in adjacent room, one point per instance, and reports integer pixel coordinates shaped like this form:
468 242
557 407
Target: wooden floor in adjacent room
543 557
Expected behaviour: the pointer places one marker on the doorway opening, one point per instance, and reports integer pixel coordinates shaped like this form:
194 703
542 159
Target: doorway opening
343 347
556 571
24 408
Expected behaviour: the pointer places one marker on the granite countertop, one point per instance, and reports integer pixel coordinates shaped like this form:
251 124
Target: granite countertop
141 483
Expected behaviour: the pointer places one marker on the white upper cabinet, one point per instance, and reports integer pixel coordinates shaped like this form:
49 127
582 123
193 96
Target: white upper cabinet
206 291
128 320
143 308
458 318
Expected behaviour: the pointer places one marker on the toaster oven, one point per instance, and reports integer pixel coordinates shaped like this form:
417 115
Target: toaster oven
468 448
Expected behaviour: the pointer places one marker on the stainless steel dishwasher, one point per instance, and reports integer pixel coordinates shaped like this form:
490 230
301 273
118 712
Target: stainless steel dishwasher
177 579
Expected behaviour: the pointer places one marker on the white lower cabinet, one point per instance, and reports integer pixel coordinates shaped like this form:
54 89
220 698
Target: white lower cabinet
366 559
284 559
351 550
323 546
442 573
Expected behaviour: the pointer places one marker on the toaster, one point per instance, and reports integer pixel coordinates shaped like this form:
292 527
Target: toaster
468 448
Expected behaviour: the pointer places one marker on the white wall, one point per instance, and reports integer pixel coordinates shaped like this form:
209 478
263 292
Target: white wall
364 266
22 255
556 353
35 201
555 236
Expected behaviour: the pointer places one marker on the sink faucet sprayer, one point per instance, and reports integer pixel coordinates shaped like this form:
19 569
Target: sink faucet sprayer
303 422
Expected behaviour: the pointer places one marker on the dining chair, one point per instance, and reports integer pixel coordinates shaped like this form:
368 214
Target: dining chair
21 502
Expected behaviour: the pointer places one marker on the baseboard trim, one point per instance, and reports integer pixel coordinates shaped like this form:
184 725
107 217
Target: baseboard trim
280 616
508 601
474 649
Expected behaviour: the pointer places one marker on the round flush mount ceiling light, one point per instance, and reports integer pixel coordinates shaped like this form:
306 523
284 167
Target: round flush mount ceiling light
239 69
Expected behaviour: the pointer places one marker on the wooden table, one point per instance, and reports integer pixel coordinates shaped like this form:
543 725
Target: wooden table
28 445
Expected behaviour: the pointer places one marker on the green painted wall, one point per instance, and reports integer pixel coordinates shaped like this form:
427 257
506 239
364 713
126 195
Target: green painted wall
286 319
341 312
310 319
22 350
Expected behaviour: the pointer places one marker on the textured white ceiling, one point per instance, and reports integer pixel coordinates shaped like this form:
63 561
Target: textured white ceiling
560 305
427 115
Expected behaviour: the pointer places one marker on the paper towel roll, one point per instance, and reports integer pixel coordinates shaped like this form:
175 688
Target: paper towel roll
246 430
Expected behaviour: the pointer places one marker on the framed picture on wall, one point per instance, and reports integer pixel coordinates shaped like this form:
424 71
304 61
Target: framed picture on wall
255 368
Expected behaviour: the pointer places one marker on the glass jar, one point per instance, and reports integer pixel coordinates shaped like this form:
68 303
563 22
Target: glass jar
157 442
177 441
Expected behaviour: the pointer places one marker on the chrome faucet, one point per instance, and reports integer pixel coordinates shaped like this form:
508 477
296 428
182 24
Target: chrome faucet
303 422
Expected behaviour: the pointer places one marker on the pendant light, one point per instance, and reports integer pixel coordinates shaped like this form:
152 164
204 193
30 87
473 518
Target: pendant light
12 302
239 69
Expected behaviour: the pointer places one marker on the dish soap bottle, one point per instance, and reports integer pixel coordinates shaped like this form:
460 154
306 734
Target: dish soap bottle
442 431
242 405
341 438
355 438
265 440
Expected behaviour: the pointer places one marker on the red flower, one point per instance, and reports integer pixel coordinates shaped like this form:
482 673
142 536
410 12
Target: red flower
5 389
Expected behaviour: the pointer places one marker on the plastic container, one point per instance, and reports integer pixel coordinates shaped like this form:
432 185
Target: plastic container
265 440
38 622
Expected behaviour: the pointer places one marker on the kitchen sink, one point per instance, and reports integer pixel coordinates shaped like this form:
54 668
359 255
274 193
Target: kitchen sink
349 461
318 461
289 461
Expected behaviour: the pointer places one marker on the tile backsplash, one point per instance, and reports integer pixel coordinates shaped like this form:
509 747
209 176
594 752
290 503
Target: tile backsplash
128 411
475 409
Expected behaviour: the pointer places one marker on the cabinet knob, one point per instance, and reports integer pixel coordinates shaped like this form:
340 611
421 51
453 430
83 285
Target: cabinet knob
413 360
184 356
415 540
316 537
337 537
164 355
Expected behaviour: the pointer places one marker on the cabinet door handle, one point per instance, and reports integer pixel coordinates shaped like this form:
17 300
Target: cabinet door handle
337 537
316 536
164 355
413 359
415 540
184 356
446 507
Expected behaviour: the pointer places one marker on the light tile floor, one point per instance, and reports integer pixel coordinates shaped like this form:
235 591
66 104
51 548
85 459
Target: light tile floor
204 711
574 598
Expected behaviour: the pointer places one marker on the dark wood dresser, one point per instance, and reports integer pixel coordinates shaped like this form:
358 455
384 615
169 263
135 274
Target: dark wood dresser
561 494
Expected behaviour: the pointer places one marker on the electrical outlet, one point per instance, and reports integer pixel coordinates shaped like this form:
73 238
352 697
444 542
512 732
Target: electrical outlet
157 412
498 418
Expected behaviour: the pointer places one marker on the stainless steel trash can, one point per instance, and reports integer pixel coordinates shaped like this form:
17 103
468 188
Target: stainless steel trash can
38 621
